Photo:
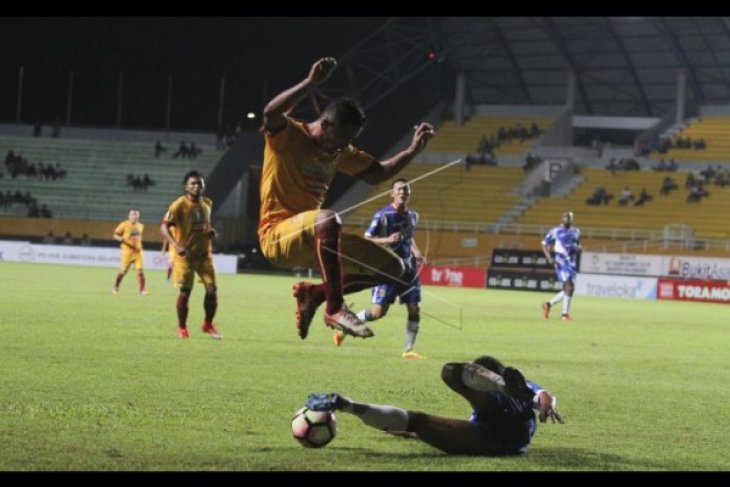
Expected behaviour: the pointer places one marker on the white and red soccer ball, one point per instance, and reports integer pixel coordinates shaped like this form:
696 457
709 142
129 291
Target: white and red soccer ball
314 429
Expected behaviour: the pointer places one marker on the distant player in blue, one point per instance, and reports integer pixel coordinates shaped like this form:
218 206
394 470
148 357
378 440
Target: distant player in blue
394 226
502 422
565 241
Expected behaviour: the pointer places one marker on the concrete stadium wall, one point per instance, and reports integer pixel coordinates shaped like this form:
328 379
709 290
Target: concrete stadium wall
18 227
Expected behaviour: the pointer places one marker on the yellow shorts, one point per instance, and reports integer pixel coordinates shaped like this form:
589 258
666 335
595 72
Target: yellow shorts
183 272
291 243
130 257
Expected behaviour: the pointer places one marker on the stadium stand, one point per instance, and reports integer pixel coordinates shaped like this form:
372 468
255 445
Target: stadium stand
96 185
465 139
713 131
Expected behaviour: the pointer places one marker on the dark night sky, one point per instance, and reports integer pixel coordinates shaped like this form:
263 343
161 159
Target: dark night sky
257 56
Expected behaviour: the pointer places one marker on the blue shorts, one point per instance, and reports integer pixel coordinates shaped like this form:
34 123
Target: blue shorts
506 424
408 293
565 269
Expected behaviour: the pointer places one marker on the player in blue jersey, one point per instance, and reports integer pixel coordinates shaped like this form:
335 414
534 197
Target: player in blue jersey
394 226
502 422
565 241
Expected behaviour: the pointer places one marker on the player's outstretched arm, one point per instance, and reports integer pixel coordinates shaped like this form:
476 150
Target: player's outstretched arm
277 108
548 404
390 167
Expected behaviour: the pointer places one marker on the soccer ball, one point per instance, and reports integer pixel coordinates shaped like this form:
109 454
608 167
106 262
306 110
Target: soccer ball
314 429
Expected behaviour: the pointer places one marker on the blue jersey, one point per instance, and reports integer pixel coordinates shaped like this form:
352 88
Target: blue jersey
387 221
507 424
566 242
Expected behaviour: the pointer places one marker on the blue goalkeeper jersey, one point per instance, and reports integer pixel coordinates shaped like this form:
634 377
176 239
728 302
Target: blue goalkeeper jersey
508 423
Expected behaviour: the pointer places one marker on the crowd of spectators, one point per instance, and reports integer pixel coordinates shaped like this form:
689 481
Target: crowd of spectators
17 165
140 183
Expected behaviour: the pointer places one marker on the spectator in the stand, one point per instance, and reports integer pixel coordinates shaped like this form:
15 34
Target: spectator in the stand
46 212
140 183
56 128
28 199
691 181
534 130
49 238
668 185
159 149
31 171
37 128
147 181
531 162
643 198
195 151
721 179
612 166
662 166
629 165
501 134
708 173
58 172
182 151
68 239
600 195
33 211
85 240
672 165
697 193
641 148
626 196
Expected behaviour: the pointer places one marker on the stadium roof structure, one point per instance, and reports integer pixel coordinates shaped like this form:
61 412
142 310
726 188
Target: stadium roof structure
624 66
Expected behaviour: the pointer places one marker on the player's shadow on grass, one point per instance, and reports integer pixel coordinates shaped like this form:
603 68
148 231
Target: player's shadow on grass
582 459
552 458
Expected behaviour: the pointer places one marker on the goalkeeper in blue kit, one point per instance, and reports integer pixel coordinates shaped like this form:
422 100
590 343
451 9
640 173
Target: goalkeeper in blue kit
502 422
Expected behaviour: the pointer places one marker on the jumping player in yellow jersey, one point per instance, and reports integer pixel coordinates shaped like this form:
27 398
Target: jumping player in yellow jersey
300 161
192 244
129 233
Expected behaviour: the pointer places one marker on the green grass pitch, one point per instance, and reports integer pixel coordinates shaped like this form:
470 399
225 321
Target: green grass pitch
95 381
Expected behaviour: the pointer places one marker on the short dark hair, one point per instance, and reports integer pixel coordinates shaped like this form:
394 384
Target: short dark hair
399 180
345 112
491 363
193 173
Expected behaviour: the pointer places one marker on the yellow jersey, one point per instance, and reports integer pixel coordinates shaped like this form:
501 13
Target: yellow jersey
132 235
192 220
296 174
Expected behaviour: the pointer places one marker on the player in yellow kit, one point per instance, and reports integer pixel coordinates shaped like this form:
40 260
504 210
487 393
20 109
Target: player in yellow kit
300 161
191 241
170 257
129 233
